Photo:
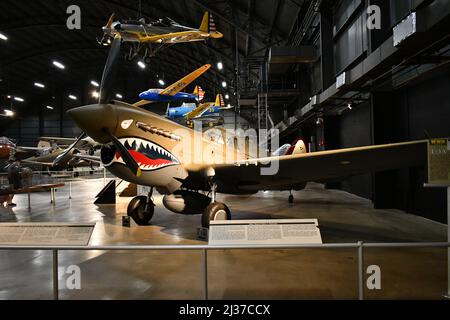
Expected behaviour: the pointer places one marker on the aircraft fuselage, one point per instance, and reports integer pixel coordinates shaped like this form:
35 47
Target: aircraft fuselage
185 108
153 95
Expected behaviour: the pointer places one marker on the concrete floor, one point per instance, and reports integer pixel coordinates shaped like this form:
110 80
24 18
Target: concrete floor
237 274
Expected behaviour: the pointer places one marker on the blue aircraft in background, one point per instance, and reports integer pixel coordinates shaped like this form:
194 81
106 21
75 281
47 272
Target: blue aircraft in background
191 111
173 92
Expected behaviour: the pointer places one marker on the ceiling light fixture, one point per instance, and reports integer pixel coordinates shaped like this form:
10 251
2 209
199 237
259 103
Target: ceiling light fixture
19 99
3 37
58 65
9 113
71 96
39 85
94 83
141 65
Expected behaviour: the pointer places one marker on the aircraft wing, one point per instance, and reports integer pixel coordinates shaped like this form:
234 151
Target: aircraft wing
320 166
87 157
183 82
28 149
197 112
43 163
61 141
58 140
183 36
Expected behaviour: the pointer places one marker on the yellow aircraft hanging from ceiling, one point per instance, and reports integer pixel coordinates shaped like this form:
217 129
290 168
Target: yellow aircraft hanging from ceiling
155 35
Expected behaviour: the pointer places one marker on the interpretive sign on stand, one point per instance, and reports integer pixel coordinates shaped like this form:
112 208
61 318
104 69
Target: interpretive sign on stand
439 161
58 234
279 231
439 177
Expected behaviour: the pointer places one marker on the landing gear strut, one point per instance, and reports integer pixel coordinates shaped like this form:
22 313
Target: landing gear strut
141 208
215 210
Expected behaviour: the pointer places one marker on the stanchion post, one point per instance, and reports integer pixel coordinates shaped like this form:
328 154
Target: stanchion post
205 274
55 275
448 240
360 271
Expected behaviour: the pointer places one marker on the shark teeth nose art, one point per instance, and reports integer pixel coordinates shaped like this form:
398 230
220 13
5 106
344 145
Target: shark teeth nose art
147 154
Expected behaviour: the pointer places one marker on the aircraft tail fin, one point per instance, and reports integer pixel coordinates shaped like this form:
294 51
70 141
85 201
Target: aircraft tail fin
182 83
198 91
209 26
219 101
298 147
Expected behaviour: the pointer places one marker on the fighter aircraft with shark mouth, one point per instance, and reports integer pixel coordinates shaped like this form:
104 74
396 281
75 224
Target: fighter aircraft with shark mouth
142 147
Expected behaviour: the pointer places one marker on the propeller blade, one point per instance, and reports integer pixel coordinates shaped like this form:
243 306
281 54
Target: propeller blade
124 153
110 21
64 157
110 70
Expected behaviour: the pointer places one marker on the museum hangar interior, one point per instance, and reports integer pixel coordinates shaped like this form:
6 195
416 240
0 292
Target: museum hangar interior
329 74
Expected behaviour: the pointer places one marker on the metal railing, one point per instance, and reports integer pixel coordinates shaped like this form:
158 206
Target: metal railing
360 245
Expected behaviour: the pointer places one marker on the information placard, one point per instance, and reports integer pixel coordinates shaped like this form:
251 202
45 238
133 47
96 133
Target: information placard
439 161
58 234
277 231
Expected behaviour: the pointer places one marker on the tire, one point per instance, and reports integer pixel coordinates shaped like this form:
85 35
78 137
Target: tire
140 210
215 211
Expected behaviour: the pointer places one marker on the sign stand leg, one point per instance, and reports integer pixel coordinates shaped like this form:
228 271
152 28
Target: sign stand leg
448 240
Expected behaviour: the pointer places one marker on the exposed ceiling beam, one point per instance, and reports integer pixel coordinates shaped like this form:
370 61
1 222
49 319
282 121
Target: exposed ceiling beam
250 13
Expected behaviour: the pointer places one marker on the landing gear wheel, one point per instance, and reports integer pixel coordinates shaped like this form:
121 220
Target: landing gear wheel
140 210
215 211
291 198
